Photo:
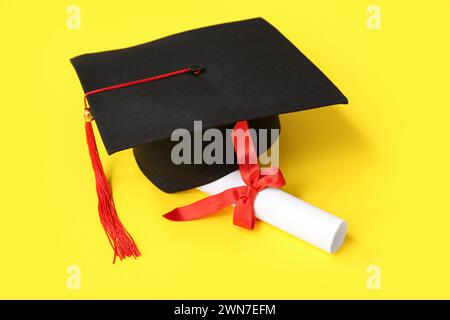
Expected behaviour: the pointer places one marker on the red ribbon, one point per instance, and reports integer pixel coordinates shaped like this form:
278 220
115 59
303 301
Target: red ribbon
244 196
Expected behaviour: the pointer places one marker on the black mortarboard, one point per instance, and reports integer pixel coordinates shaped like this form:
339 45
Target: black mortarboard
249 71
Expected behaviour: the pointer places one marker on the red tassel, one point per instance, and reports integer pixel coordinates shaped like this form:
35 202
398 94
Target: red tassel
121 241
119 238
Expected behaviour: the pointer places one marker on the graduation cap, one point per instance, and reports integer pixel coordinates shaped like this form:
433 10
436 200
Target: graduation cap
222 75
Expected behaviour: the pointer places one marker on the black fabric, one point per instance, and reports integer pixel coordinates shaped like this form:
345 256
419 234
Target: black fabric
251 71
154 159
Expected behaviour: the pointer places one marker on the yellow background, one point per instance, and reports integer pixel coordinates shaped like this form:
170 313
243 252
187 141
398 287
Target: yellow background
381 163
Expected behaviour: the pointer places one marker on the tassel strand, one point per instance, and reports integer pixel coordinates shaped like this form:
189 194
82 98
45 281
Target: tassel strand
119 238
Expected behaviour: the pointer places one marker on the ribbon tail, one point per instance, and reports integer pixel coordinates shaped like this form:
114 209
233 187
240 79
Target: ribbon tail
244 215
206 206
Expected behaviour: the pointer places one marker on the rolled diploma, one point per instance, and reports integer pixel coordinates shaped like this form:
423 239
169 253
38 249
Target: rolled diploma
289 213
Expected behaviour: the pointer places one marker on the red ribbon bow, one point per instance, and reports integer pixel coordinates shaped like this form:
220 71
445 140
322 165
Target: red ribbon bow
243 197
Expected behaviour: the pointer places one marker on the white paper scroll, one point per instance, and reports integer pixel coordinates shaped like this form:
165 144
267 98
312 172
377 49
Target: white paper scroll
290 214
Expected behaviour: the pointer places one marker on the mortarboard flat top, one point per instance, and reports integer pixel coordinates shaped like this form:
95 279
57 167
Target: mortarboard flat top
251 71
